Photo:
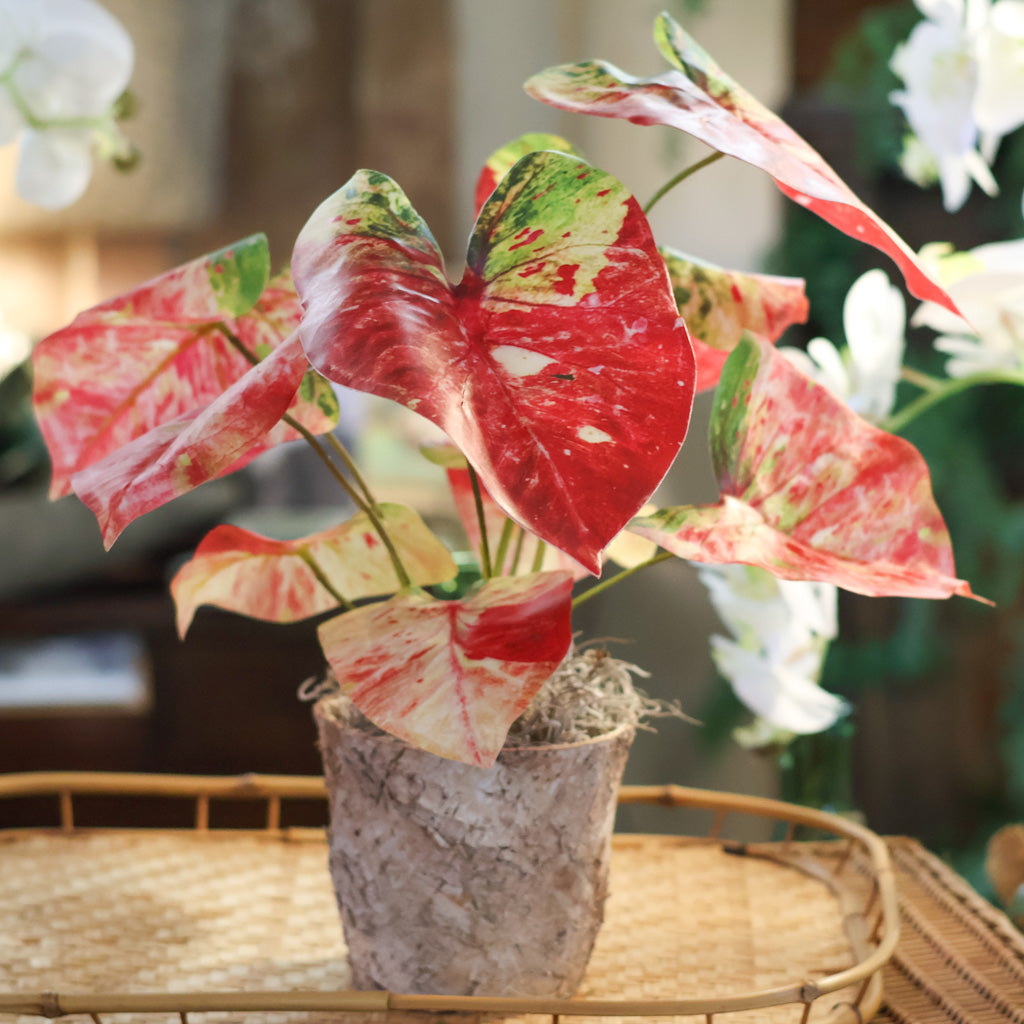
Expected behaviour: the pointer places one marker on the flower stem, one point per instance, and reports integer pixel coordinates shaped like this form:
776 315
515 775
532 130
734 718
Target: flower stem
939 390
599 588
680 177
486 567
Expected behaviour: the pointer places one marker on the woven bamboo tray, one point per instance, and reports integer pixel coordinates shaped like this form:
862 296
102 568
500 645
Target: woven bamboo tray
241 924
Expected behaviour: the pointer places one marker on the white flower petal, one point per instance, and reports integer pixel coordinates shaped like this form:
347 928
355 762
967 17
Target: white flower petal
54 167
20 27
954 180
999 102
830 370
812 603
81 63
987 284
874 321
10 119
786 699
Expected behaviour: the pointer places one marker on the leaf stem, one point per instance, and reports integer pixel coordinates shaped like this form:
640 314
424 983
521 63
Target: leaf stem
940 390
322 579
517 552
681 177
349 463
486 567
603 585
538 556
365 504
503 543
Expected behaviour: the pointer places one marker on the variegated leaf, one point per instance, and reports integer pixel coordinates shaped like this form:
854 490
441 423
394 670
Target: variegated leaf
704 101
810 490
720 305
558 365
451 676
283 581
177 456
502 160
148 358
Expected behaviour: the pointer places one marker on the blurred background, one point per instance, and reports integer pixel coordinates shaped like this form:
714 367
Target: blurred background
253 111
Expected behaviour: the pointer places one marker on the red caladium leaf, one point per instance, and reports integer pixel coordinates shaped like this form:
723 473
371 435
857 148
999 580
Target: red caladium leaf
451 676
719 306
704 101
558 365
148 358
810 490
283 581
177 456
501 161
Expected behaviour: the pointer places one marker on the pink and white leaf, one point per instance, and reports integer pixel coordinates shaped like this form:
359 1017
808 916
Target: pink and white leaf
558 363
701 99
810 490
720 305
451 676
154 356
284 581
175 457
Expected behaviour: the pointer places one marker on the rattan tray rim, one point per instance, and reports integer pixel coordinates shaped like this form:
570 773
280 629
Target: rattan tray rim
873 942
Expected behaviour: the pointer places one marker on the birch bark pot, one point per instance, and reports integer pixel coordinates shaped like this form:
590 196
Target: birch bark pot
458 880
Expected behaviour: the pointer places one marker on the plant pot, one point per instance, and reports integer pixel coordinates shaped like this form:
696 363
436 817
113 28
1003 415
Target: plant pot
468 881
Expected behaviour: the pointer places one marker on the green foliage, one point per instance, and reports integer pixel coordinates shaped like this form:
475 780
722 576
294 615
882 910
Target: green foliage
239 274
860 81
22 452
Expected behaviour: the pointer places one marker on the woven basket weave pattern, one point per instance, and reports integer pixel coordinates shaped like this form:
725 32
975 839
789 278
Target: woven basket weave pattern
132 912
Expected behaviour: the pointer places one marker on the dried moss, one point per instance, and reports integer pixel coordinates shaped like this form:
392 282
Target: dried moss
591 693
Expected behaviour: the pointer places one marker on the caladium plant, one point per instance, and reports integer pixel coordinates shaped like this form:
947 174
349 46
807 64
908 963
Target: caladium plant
562 366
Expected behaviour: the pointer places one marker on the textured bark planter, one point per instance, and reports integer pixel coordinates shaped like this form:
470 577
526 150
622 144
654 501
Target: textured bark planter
461 880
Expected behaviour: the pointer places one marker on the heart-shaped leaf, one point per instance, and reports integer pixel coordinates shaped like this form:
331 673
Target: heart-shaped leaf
810 490
502 160
719 306
558 365
177 456
153 356
702 100
451 676
283 581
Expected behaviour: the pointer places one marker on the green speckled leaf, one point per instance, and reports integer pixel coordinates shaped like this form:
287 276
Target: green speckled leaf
239 273
502 160
720 305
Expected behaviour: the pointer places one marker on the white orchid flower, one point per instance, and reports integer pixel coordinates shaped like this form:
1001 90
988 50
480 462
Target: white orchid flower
987 285
999 102
63 66
939 65
780 634
866 373
785 697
